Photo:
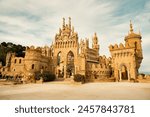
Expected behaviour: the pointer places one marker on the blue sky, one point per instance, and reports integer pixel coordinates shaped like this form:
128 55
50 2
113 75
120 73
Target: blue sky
35 22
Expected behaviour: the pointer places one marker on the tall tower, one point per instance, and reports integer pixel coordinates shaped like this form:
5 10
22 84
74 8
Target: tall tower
134 40
65 50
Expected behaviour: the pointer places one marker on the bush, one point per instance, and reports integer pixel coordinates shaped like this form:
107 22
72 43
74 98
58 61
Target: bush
79 78
49 77
0 76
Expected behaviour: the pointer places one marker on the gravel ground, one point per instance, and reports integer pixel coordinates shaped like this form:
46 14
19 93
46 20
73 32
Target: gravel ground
70 91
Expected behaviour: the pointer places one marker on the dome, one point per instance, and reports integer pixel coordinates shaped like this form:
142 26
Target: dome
133 35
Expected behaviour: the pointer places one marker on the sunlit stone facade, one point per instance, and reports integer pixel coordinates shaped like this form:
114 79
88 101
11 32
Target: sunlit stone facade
68 56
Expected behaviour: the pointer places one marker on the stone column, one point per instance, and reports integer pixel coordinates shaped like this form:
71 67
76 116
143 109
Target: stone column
116 75
128 74
65 71
120 78
75 70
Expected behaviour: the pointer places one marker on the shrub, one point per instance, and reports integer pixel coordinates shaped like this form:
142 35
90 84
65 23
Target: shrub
49 77
79 78
0 76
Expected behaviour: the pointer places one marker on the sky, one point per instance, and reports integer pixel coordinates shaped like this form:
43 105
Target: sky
35 22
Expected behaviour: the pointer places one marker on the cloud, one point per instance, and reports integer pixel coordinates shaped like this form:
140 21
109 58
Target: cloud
36 22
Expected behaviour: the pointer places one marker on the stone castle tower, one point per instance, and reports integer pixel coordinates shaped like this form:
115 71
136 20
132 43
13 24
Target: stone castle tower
126 59
65 49
134 40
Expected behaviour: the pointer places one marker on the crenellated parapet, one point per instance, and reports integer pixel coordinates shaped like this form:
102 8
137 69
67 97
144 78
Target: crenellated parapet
104 60
33 52
33 48
120 47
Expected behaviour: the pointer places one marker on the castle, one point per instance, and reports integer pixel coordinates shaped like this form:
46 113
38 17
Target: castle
67 57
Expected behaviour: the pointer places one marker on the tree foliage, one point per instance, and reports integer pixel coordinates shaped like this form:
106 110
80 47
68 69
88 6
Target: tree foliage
10 47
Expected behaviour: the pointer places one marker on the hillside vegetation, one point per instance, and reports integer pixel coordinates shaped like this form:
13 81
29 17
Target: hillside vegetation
10 47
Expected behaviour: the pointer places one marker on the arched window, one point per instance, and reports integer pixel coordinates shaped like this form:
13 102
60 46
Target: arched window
59 58
52 53
70 58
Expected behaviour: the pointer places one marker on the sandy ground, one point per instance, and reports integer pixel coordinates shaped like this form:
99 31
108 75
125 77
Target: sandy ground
68 91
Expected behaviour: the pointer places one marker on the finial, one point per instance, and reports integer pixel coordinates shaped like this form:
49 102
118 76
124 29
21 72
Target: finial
131 27
63 21
139 31
70 22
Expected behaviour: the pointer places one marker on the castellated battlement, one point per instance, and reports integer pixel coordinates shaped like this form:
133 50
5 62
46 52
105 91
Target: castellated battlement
43 51
32 48
120 46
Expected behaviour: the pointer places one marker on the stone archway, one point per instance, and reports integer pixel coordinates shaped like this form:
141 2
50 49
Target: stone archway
124 73
70 64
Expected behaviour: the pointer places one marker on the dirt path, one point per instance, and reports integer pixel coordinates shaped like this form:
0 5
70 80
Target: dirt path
67 91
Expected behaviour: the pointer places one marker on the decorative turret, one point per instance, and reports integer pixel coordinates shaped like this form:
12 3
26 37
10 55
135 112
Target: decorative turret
131 28
63 26
95 42
70 22
126 58
131 34
134 40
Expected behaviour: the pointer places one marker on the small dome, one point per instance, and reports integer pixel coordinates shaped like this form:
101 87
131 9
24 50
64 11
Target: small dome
133 35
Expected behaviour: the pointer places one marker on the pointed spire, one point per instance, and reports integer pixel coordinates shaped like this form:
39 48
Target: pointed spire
69 22
139 31
63 22
95 39
95 35
131 27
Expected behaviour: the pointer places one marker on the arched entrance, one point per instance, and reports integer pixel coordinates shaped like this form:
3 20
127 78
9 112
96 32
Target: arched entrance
70 64
123 73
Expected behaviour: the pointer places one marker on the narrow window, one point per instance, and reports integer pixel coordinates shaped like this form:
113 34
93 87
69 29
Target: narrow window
32 66
58 58
19 60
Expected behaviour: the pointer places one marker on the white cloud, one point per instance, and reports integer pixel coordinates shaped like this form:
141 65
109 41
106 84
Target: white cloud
37 21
